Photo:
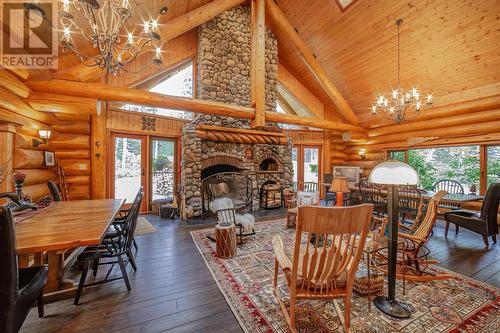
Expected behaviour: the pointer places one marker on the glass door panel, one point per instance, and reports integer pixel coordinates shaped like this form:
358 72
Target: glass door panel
493 167
128 168
163 166
311 164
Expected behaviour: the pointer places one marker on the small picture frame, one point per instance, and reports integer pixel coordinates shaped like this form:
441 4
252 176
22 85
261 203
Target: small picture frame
49 158
248 154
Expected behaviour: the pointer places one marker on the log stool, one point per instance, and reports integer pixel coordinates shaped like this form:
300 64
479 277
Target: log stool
225 237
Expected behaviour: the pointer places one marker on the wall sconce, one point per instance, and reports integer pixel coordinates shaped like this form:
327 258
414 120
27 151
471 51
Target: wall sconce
362 154
44 135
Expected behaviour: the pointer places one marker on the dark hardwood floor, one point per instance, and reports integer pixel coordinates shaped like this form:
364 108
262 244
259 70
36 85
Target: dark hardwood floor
173 291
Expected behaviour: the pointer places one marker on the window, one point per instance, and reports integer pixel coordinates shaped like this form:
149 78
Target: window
163 165
280 109
493 165
177 82
460 164
398 155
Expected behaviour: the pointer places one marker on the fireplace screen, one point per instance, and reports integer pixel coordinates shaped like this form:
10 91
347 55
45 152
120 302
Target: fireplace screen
235 185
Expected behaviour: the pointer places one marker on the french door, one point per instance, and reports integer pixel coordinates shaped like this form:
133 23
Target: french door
163 168
128 170
306 162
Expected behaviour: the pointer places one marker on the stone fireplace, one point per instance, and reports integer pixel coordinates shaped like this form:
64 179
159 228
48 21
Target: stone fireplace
210 144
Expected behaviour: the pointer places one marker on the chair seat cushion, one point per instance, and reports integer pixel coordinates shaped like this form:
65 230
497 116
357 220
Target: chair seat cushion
468 219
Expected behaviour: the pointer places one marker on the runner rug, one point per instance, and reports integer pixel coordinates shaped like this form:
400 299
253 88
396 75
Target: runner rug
457 305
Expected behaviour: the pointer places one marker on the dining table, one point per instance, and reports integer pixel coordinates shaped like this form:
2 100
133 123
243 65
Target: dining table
60 227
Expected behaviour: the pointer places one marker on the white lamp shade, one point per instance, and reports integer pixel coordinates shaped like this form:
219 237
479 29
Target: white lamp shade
394 173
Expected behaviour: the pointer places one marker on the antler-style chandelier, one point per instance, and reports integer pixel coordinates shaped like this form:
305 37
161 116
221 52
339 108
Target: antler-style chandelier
400 105
100 22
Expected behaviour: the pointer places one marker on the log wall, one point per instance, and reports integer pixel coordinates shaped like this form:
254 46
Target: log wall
70 141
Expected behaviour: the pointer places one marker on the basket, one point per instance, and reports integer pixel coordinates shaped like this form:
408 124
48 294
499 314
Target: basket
373 285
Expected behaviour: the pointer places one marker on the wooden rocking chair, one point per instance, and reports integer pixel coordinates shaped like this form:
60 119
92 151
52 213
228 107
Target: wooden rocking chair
413 259
322 268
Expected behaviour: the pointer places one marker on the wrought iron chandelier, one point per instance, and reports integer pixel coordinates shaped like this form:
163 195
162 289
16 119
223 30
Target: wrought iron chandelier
100 23
401 104
103 21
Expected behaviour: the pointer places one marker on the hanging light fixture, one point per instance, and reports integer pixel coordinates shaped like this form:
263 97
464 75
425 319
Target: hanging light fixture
102 24
400 104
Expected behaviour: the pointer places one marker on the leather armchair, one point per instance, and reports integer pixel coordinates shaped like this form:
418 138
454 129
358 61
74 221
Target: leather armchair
484 222
19 287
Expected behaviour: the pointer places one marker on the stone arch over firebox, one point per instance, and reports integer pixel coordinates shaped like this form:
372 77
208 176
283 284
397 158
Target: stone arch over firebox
224 160
268 156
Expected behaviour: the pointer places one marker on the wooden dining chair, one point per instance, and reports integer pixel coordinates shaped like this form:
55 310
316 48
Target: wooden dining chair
116 247
324 268
54 190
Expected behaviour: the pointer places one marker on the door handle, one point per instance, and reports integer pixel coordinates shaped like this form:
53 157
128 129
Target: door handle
143 172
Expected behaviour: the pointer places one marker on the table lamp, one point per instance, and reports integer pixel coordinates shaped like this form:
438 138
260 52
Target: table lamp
339 186
392 174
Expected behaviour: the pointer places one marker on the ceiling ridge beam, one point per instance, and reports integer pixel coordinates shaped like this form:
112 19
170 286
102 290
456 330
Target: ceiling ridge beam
278 18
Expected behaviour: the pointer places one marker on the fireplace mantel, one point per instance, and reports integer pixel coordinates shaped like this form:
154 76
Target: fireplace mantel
240 135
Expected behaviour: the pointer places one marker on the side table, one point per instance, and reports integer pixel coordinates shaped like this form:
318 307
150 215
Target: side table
225 238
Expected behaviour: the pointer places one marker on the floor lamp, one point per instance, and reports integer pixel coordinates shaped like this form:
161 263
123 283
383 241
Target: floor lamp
339 186
392 174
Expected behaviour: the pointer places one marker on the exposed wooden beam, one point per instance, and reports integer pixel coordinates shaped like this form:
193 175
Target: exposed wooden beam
258 65
168 31
134 96
470 118
10 82
460 113
278 18
49 102
311 122
16 104
286 106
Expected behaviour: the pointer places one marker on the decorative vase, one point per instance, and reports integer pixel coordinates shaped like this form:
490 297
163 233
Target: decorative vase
19 179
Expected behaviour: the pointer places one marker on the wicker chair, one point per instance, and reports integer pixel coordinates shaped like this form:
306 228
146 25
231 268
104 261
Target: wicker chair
325 269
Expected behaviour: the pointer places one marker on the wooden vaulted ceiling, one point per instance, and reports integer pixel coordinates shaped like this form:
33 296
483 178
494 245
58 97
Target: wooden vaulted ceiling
449 48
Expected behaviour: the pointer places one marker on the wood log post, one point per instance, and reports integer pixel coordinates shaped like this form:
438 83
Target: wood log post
7 132
98 151
258 67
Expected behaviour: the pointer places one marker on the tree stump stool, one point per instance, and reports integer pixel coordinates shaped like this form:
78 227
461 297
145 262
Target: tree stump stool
225 238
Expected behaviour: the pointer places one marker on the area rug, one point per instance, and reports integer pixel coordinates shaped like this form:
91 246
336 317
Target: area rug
457 305
144 226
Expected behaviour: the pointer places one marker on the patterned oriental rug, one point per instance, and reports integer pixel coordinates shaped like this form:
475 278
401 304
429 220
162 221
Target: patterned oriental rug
457 305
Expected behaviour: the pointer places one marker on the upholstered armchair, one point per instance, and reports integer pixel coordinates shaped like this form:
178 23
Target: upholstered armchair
483 222
19 287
